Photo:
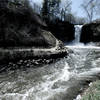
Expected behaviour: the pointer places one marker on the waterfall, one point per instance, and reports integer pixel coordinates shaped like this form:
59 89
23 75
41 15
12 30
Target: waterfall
77 33
76 41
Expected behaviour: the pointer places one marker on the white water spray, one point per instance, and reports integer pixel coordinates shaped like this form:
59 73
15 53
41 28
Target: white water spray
76 41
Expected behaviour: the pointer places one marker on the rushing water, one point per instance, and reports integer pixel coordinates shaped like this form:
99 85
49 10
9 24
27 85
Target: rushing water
52 82
62 80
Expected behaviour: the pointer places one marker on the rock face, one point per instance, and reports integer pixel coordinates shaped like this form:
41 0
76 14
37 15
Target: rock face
20 26
64 31
91 32
23 35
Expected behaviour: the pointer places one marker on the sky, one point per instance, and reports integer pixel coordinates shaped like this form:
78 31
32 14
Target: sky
76 7
39 2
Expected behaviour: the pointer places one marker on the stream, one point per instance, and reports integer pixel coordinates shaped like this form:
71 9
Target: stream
61 80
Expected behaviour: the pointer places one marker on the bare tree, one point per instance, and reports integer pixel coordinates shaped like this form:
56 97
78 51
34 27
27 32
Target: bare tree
90 8
65 9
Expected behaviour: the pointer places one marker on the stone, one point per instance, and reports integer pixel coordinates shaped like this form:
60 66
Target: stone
91 32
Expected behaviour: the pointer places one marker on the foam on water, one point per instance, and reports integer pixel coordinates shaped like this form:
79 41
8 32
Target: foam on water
89 74
83 47
46 89
43 90
78 97
65 73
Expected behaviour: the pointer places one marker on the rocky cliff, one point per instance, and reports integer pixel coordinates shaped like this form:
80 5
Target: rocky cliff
62 30
91 32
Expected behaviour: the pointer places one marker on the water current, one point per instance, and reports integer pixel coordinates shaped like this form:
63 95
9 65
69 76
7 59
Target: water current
61 80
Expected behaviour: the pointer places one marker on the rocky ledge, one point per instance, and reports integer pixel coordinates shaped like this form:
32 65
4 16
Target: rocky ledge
91 32
17 58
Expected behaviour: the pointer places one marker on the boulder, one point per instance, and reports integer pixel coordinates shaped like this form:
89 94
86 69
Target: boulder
91 32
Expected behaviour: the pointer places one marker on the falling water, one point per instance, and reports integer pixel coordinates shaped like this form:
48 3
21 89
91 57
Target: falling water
77 33
76 41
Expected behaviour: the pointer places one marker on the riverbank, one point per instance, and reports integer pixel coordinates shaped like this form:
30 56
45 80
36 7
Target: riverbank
29 55
8 54
93 92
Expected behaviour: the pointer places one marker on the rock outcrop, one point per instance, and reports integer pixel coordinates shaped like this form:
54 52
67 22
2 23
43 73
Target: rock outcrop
64 31
91 32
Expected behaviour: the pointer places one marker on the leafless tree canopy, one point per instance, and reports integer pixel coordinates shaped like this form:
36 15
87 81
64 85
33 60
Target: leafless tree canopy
91 8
